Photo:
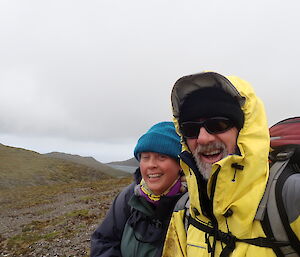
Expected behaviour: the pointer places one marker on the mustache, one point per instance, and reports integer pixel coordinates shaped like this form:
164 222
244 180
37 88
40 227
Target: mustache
209 147
205 168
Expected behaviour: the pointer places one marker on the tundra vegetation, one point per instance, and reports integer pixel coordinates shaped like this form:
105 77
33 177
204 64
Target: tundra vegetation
49 206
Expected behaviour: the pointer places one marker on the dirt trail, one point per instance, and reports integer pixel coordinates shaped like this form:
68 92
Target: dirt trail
54 220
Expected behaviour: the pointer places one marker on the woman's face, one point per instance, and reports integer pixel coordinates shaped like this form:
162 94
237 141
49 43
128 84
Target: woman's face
159 171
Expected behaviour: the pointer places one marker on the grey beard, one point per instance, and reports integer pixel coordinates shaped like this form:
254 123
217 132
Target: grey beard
203 167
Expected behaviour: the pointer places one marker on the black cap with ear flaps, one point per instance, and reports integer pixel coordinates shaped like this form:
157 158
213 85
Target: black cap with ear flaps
211 102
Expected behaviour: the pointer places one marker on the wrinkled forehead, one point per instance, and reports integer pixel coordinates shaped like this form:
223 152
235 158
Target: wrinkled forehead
188 84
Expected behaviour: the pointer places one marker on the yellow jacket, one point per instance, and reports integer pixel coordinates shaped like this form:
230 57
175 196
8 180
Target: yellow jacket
233 193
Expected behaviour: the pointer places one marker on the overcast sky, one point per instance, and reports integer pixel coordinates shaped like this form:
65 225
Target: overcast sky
89 77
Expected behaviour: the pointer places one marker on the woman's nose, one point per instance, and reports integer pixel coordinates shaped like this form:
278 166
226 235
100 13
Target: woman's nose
152 162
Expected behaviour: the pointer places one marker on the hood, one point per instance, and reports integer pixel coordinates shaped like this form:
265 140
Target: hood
238 189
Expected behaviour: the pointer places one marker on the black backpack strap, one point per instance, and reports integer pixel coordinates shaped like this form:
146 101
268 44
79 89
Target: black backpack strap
269 233
294 249
184 204
271 211
230 240
275 171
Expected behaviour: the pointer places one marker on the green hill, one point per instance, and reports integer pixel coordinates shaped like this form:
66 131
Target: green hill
130 162
21 167
89 162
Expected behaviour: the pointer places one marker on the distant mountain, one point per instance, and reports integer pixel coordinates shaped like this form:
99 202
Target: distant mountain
129 165
90 162
130 162
21 167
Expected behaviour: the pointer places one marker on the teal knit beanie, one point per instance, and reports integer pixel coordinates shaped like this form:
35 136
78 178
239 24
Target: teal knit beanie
160 138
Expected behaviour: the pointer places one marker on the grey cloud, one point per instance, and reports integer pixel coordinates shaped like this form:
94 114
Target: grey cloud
102 71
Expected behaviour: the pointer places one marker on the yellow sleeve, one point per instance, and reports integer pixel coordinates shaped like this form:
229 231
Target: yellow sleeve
175 242
296 227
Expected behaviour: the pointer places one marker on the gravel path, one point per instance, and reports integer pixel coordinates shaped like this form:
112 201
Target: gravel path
59 226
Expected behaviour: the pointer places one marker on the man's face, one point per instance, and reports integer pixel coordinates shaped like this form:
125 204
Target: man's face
209 148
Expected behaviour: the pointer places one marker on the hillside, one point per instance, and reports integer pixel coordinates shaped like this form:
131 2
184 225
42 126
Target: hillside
50 206
21 167
129 165
89 162
54 220
130 162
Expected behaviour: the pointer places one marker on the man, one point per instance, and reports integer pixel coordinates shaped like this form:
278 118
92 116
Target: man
224 156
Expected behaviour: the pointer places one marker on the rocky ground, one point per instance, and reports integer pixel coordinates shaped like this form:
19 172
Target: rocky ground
54 220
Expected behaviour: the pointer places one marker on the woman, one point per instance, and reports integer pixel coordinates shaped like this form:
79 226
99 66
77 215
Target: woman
137 221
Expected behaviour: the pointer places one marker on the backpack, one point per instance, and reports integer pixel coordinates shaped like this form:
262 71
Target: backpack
284 162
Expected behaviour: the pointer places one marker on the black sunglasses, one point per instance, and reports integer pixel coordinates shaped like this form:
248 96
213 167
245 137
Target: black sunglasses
216 125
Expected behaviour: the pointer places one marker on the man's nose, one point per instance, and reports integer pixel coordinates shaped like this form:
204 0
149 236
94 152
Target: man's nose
204 137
